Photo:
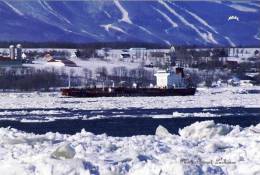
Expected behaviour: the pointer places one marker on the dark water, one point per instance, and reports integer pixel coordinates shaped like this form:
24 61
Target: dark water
123 125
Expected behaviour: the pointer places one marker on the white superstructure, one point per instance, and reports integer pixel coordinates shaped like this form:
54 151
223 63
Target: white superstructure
170 79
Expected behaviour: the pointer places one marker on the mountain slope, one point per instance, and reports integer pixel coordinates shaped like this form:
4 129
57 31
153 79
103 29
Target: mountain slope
200 23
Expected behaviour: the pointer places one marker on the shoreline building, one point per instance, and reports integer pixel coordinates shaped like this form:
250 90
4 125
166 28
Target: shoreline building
18 53
14 58
12 52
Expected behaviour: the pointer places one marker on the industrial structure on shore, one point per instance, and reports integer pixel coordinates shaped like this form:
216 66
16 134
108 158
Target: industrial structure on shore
15 57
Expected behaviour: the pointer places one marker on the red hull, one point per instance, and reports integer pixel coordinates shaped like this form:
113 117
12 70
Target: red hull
117 92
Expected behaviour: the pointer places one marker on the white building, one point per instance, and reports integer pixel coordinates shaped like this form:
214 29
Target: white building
169 79
138 53
12 52
24 56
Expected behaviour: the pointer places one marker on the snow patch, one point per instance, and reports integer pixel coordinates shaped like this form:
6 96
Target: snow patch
202 21
125 16
208 37
257 36
49 9
167 42
254 4
88 33
150 33
108 27
13 8
167 18
230 42
243 8
108 15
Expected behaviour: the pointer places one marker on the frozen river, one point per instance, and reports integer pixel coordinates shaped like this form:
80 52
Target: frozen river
214 132
127 116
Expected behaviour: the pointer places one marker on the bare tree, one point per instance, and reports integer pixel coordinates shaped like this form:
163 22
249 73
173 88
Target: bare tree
102 72
120 71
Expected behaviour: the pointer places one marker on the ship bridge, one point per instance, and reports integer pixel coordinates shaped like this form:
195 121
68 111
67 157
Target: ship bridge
170 79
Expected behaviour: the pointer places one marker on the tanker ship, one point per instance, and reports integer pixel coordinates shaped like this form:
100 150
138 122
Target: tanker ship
168 83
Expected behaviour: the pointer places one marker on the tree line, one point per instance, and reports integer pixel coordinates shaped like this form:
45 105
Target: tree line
30 79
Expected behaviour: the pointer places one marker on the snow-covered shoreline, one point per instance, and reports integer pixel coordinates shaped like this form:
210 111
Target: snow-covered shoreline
201 148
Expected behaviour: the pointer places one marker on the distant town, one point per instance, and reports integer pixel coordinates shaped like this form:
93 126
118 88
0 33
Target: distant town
51 68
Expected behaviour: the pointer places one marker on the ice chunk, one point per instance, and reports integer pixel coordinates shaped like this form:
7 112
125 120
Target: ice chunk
62 167
142 157
162 131
64 151
170 167
216 146
255 129
205 129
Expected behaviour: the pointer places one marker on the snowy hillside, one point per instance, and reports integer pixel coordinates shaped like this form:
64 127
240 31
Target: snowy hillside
201 23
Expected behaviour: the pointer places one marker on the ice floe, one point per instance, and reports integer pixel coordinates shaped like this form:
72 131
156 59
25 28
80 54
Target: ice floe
201 148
